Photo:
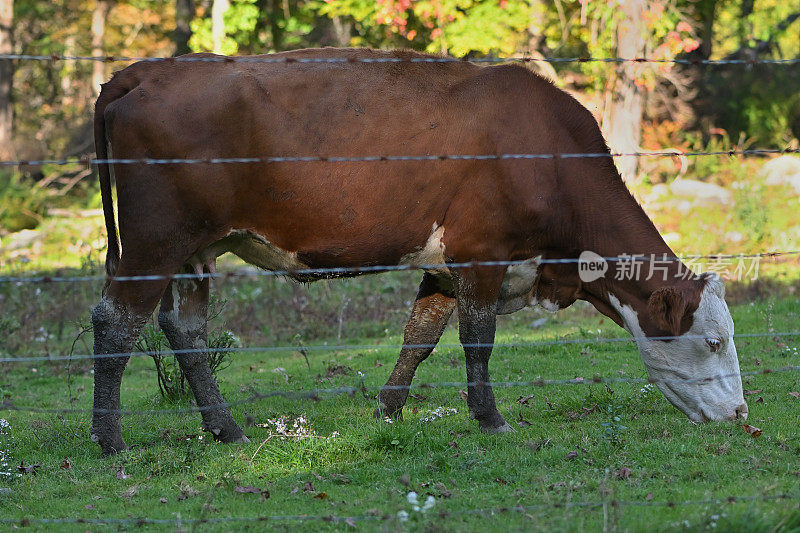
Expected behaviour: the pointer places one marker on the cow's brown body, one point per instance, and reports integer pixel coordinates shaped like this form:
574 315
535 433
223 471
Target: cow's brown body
352 214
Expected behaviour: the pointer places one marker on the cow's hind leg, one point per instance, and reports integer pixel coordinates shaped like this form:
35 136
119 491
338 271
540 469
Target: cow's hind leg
183 319
432 309
117 321
477 290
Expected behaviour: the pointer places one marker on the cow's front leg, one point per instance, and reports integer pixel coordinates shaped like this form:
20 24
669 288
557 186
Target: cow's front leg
477 289
432 309
183 319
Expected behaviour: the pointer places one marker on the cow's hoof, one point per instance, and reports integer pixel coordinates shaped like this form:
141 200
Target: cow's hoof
505 428
382 411
111 446
229 434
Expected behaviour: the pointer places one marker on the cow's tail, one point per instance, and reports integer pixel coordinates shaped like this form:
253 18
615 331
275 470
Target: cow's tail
110 92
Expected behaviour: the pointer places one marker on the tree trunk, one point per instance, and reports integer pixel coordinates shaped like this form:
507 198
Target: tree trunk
623 123
218 10
6 77
184 13
99 15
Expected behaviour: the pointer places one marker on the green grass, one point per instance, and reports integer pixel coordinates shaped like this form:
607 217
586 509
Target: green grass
651 455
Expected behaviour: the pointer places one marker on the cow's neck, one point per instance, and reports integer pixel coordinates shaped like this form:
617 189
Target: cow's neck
613 225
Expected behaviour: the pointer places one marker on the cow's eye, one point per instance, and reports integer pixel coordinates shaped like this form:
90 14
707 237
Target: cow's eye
714 344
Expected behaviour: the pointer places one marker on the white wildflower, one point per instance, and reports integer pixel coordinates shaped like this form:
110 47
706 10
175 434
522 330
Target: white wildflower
429 503
402 516
439 412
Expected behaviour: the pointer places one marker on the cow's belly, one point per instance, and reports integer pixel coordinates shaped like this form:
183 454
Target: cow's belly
518 289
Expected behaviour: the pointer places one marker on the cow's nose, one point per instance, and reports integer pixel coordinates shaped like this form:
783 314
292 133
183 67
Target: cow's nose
741 411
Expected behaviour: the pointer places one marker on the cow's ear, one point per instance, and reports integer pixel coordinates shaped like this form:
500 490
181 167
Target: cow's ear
667 307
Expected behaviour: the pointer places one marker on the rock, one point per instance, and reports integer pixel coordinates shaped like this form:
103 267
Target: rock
701 193
21 239
783 170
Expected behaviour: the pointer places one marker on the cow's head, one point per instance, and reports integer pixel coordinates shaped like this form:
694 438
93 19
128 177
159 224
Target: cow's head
697 369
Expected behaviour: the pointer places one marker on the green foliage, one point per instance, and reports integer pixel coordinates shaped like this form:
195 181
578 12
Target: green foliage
240 21
22 202
171 380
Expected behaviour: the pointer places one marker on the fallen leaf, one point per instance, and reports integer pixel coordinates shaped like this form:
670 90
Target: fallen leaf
443 492
759 400
30 469
163 500
309 487
341 479
623 473
795 394
89 507
524 400
294 490
247 489
752 430
756 391
572 455
321 495
463 395
121 474
187 492
418 397
350 522
66 465
649 496
500 481
522 422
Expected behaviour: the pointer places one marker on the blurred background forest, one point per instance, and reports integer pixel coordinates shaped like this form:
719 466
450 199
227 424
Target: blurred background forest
737 204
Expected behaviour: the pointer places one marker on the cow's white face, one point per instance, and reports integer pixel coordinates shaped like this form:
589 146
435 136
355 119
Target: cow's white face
698 371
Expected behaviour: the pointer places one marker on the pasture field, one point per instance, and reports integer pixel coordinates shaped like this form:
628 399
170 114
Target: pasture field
583 457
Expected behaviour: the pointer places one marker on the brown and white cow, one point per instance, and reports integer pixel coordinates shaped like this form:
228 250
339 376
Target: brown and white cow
289 216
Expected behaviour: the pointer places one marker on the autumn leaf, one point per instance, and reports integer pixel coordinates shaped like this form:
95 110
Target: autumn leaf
66 465
321 495
248 489
752 430
524 400
747 392
522 422
623 473
794 394
572 455
30 469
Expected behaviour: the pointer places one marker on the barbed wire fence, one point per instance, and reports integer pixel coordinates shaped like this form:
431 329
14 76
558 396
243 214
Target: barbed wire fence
319 394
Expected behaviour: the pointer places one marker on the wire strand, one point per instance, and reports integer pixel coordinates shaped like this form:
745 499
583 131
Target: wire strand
377 60
383 158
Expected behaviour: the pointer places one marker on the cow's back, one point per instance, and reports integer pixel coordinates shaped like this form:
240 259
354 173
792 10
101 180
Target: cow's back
347 213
